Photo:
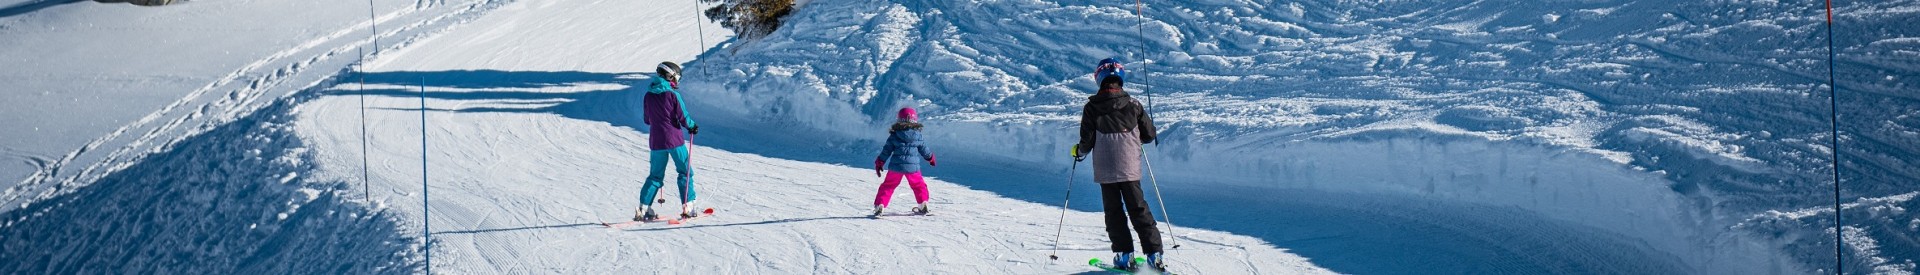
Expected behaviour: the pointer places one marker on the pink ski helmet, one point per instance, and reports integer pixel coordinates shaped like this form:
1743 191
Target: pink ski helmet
908 114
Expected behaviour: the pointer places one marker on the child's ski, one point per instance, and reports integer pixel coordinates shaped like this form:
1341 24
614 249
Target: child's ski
1137 261
620 225
703 213
1103 265
883 215
624 225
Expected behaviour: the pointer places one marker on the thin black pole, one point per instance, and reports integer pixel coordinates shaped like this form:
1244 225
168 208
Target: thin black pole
372 21
1833 116
366 175
701 28
426 214
1139 11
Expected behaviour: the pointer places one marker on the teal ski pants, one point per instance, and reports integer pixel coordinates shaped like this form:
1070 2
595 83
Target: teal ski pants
658 172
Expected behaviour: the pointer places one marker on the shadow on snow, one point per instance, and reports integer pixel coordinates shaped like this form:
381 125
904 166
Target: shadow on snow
227 201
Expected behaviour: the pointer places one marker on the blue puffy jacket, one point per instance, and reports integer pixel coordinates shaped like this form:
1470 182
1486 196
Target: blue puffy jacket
905 150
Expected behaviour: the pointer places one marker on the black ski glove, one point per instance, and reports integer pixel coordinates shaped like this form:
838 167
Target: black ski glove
1077 157
694 131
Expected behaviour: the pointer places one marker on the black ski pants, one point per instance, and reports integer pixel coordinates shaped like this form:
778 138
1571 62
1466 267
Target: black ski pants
1125 204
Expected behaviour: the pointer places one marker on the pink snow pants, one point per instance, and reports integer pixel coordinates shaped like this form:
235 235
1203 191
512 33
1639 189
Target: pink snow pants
893 182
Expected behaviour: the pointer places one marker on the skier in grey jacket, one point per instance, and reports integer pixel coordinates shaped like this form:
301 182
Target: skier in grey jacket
1112 128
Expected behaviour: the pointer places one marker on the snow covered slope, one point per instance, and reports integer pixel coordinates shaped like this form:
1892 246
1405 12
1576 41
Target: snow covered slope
1396 137
530 145
520 182
1698 128
270 192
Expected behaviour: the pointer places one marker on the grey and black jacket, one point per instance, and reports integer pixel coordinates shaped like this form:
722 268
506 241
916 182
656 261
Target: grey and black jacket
1112 128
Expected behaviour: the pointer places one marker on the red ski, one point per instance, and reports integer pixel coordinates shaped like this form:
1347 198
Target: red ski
620 225
624 225
703 213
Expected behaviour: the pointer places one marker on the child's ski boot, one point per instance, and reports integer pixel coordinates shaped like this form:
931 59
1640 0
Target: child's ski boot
686 211
645 214
1156 263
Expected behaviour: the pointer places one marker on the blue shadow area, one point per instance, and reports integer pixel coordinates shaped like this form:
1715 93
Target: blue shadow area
1348 233
510 92
227 201
30 7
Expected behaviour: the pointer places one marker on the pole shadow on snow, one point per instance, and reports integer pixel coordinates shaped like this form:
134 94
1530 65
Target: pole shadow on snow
517 92
767 222
1347 233
30 7
510 229
648 228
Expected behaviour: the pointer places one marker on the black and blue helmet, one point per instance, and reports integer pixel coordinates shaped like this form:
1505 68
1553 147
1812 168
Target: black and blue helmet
1109 68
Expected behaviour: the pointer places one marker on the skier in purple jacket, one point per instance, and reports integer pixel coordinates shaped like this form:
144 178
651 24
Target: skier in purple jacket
666 118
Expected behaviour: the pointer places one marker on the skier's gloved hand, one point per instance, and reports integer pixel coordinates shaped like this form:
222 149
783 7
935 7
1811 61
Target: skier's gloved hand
878 166
695 130
1076 154
930 161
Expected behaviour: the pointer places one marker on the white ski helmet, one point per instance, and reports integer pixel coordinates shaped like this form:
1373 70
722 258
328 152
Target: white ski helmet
668 70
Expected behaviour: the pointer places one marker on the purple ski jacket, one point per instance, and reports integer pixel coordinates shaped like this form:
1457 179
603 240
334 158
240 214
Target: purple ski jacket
666 116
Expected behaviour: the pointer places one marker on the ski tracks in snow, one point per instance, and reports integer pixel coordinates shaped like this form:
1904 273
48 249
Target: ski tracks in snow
318 60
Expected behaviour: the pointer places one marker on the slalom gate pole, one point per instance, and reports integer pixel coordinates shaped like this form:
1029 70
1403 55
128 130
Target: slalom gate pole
1061 226
426 214
703 37
1833 114
1139 11
366 176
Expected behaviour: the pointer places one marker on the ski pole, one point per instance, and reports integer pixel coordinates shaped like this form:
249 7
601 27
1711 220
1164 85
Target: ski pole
1139 11
1156 196
689 188
1061 226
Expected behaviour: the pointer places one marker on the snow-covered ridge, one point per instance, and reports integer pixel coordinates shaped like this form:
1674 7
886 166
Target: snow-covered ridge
307 63
1707 113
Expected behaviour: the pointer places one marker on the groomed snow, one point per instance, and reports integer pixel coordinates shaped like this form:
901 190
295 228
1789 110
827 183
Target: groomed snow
1299 137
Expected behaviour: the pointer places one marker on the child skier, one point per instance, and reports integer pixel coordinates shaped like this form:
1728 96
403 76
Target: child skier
1112 128
665 115
901 158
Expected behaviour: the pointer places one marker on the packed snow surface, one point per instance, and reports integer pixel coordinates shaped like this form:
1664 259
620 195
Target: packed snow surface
1398 137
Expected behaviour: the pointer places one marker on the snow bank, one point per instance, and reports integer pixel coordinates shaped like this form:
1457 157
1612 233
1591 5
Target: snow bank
1640 118
96 108
217 203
